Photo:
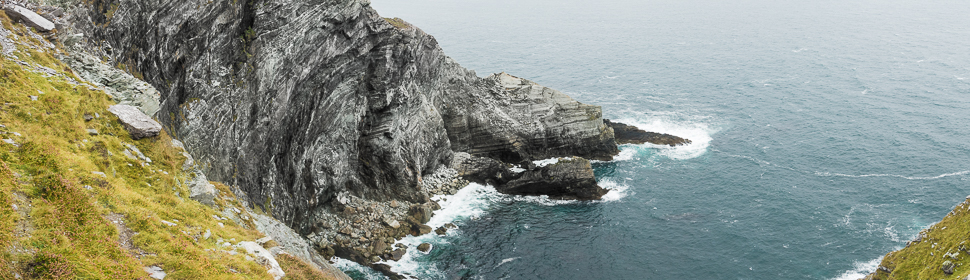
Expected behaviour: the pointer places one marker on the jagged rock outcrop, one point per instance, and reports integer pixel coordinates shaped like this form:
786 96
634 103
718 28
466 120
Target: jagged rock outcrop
570 178
628 134
296 102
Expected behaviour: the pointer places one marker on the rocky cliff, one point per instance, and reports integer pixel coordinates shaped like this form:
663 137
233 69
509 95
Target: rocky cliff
296 102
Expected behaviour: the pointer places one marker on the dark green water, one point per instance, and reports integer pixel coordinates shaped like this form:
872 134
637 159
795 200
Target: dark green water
827 133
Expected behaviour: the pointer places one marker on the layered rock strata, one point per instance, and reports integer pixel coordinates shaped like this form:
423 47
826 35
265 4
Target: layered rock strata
297 102
338 122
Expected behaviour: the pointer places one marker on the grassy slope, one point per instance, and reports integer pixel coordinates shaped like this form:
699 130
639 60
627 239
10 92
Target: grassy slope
68 229
923 260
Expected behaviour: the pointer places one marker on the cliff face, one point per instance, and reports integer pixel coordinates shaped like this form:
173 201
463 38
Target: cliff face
295 102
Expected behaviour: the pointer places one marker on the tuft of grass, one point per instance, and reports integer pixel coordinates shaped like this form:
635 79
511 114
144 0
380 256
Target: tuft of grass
948 240
398 22
296 269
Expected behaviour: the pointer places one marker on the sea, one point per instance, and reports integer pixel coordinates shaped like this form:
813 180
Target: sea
825 135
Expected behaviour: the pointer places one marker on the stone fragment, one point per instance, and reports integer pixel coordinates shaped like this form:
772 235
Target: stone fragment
137 123
424 229
30 18
88 117
392 223
92 131
201 190
424 247
441 231
396 255
420 213
207 234
948 267
263 257
155 272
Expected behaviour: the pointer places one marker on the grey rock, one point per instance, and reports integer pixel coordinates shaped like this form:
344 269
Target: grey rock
336 101
71 40
627 134
568 179
396 255
92 131
11 142
201 190
948 267
155 272
294 244
137 123
123 88
30 18
420 212
88 117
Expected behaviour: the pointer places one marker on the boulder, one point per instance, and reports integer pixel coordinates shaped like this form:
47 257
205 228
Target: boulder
628 134
948 267
424 247
201 190
421 213
137 123
423 229
570 178
398 254
30 18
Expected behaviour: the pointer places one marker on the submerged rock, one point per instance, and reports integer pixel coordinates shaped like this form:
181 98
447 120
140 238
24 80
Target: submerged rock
628 134
567 179
137 123
424 247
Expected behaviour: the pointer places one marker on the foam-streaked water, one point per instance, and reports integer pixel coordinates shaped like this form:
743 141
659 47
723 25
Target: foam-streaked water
826 134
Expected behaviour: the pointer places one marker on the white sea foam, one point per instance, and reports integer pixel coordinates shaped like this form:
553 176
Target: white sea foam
827 174
348 265
617 191
469 203
698 133
548 161
860 270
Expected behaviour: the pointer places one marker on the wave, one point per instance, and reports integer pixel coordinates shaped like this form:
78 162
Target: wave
859 270
827 174
469 203
698 133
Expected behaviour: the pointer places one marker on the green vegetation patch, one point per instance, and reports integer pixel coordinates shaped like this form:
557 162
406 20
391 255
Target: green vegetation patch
924 258
397 22
73 205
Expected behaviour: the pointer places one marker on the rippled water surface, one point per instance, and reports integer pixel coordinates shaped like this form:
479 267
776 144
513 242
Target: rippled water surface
826 134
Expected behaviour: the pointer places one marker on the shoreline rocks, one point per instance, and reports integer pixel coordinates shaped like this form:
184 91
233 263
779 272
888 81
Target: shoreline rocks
628 134
570 178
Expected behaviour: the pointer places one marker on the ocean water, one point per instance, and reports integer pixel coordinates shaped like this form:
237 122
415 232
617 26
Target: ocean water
826 134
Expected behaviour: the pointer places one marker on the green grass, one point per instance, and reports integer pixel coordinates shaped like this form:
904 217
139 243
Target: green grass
70 234
397 22
922 260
